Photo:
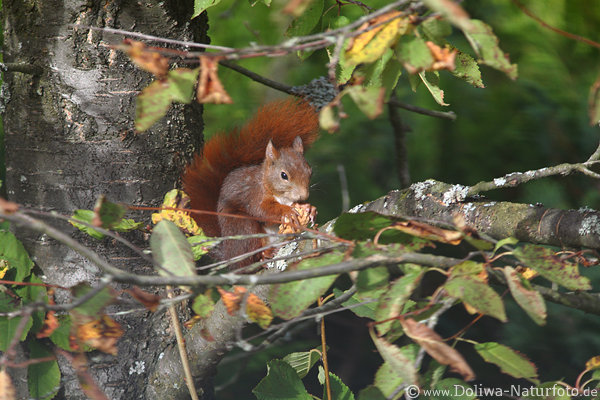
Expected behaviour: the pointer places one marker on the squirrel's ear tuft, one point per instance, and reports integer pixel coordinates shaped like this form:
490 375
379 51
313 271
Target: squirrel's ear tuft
271 152
297 145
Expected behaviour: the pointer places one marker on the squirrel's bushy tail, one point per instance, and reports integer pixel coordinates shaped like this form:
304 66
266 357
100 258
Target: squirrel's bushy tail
279 121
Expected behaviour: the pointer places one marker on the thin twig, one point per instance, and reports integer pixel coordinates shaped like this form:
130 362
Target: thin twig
119 275
189 378
282 87
595 156
152 38
518 178
105 232
559 31
419 110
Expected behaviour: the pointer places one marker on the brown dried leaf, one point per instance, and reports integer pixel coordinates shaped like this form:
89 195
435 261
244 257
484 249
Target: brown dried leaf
426 231
210 89
8 207
192 321
149 300
49 326
146 59
444 57
433 344
102 334
205 333
232 300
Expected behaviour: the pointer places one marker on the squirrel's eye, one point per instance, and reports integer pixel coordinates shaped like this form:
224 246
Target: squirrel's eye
284 176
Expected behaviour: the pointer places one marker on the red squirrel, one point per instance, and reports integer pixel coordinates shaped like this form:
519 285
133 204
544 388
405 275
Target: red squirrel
258 171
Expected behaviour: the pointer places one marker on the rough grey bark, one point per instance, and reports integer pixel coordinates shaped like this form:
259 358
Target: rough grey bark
70 138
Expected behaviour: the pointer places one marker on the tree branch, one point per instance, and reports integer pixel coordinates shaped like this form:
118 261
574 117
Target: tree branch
419 110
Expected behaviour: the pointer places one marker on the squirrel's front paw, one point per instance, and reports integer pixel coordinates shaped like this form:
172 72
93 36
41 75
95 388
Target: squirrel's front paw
303 214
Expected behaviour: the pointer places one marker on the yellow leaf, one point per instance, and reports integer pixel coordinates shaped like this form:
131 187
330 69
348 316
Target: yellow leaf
3 268
177 199
258 311
370 45
593 363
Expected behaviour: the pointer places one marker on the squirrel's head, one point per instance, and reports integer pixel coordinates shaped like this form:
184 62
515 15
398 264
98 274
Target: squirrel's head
286 172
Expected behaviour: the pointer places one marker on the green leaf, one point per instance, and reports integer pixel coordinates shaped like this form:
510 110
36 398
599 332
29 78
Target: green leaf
201 245
203 305
108 213
201 5
31 293
289 299
371 392
303 361
344 69
43 378
86 216
373 72
436 29
391 304
305 23
390 76
387 381
414 54
364 310
372 283
339 391
60 336
551 391
551 267
171 250
126 225
453 389
95 305
509 241
398 360
15 255
281 383
8 326
478 295
467 268
509 361
368 99
360 226
431 81
529 299
467 69
155 100
485 43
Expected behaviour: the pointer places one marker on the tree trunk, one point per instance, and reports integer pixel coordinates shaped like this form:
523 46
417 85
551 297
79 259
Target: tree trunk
70 138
